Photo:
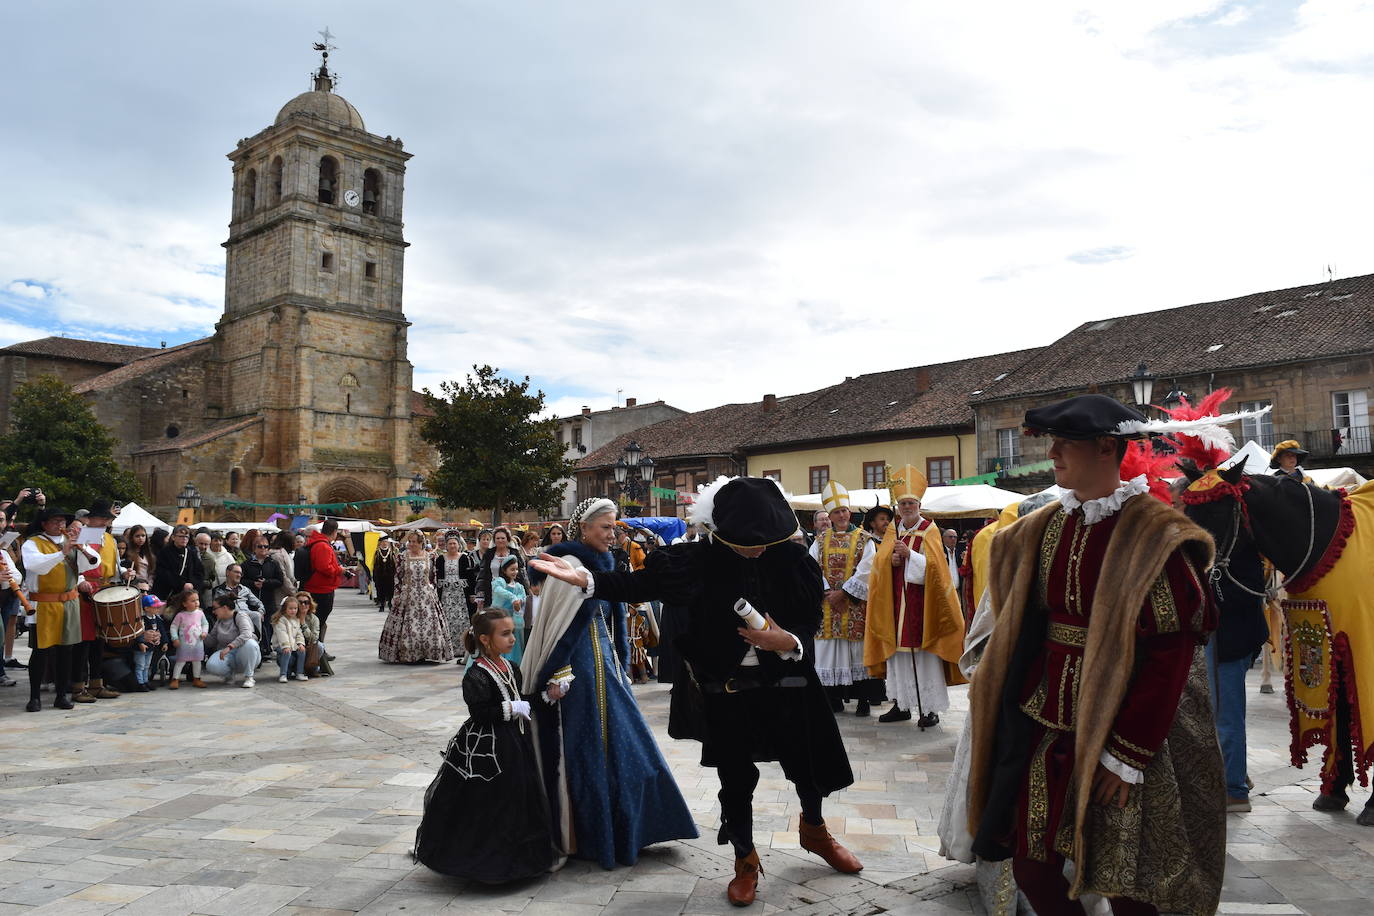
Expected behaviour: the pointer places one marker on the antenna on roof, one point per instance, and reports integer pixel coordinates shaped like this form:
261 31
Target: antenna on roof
1330 273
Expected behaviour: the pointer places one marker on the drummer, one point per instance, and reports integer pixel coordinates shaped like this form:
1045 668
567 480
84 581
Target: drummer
100 571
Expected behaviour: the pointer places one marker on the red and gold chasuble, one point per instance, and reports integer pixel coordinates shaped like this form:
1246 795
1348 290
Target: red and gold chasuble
840 555
909 599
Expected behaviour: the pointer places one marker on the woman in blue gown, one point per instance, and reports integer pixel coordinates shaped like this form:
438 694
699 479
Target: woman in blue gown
610 790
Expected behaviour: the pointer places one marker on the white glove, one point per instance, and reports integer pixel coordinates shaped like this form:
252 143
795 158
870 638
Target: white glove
520 708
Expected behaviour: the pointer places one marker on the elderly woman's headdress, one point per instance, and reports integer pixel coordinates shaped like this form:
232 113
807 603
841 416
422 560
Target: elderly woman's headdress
585 510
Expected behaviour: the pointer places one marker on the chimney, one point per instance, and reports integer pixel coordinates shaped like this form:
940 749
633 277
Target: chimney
586 411
770 402
922 380
630 402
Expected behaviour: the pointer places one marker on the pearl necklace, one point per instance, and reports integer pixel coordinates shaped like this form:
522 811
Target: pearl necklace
504 676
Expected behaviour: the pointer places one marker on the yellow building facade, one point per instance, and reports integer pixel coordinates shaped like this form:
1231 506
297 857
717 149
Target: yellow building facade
805 469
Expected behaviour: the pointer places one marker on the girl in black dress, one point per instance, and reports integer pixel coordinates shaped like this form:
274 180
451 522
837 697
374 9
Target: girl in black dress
486 815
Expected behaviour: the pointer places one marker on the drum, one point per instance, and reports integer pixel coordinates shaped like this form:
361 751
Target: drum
119 614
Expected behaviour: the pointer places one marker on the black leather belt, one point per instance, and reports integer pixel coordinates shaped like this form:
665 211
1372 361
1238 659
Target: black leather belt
742 684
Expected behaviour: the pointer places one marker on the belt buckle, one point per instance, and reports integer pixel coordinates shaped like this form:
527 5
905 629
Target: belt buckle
730 686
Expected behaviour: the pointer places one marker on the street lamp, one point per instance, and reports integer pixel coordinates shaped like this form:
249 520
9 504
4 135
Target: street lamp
633 471
189 497
1143 382
419 496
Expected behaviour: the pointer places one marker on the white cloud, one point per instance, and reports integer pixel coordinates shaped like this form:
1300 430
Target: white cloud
27 290
705 204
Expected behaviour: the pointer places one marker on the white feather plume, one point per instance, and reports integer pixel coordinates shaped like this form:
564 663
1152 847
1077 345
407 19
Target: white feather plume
702 511
1210 431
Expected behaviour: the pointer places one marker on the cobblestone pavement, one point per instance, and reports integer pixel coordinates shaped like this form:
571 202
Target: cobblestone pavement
304 797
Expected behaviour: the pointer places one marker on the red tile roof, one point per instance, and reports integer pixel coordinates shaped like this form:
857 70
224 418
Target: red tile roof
1288 325
90 351
182 443
419 407
896 402
156 359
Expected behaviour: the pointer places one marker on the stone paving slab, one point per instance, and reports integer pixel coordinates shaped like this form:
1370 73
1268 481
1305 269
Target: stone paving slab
303 798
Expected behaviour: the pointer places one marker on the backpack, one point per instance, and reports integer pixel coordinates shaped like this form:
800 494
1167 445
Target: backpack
300 563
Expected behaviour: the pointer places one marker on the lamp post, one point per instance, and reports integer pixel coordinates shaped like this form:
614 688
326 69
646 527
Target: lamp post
188 501
1143 385
419 496
633 471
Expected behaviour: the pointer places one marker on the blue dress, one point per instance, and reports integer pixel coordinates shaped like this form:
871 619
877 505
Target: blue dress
622 795
504 595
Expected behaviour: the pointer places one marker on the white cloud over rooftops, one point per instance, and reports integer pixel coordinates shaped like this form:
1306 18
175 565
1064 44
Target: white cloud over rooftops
729 199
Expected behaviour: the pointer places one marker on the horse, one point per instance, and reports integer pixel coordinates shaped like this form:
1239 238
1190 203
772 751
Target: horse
1311 536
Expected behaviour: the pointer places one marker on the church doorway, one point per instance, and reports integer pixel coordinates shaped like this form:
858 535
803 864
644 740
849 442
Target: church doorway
355 492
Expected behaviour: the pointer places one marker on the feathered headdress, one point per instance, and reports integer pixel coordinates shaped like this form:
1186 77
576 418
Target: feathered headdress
1199 432
1141 460
1213 446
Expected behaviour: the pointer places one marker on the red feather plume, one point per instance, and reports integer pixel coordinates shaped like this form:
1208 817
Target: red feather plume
1204 456
1141 459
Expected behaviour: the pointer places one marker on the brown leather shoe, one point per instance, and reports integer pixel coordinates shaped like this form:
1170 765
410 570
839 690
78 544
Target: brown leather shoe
173 684
817 839
197 683
745 884
102 692
82 695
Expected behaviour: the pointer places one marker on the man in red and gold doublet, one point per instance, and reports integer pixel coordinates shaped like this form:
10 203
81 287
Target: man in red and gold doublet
1092 732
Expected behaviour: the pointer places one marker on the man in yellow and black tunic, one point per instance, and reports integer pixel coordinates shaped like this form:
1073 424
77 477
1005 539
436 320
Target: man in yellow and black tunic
1093 738
50 579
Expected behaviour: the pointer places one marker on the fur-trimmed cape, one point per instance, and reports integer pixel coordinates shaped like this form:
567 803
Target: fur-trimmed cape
1168 846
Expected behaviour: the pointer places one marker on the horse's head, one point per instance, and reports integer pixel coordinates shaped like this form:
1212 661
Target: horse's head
1287 521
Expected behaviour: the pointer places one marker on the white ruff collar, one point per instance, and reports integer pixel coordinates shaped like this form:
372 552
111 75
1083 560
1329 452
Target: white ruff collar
1095 510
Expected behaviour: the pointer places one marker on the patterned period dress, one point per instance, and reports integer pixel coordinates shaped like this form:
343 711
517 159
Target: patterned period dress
454 600
415 630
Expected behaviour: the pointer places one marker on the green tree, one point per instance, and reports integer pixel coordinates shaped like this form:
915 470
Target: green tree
494 451
56 443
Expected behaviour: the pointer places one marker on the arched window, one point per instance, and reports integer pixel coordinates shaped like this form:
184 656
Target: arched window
152 484
250 192
278 168
329 180
234 481
372 191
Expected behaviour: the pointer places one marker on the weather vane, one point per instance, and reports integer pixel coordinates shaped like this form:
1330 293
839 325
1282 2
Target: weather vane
323 76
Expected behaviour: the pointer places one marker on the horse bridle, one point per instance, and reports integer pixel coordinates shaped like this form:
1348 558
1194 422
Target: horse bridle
1221 566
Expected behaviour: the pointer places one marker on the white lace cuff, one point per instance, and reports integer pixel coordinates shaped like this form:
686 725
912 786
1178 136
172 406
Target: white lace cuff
505 710
1123 771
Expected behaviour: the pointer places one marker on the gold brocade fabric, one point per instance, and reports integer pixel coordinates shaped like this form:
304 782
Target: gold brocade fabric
1168 845
840 556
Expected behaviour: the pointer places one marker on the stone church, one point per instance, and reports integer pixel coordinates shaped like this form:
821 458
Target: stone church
303 393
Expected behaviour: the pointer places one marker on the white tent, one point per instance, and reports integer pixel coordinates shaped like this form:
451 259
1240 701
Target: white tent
134 514
978 500
1257 462
350 525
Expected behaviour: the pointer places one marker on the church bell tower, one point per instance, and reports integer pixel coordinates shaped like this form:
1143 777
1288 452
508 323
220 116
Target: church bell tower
313 337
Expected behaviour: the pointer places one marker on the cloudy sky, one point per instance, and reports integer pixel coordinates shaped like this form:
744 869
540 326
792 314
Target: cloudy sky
712 200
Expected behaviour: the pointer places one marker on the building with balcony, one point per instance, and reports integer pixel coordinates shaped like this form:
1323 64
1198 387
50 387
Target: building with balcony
1307 352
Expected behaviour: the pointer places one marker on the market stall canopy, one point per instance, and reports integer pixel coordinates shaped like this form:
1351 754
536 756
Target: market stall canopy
978 500
420 524
1336 477
134 514
665 527
351 525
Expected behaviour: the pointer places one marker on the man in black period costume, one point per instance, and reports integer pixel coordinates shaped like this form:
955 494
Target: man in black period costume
748 688
1092 730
